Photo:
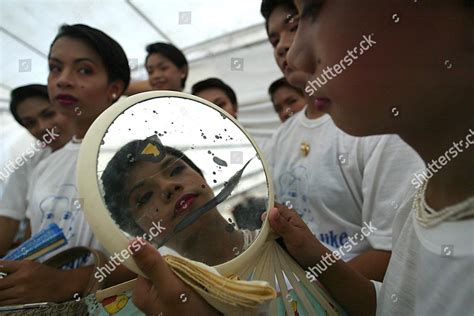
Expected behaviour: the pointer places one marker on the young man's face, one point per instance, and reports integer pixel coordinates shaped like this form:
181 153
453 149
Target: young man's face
404 69
282 26
287 102
219 98
38 116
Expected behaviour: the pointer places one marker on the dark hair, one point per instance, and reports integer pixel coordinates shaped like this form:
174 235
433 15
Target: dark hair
171 52
215 83
112 54
268 6
115 177
279 83
20 94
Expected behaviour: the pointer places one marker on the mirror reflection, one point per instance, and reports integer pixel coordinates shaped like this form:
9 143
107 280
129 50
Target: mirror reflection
185 177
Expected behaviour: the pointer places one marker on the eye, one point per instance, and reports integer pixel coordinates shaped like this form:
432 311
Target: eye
85 71
176 171
54 68
291 101
142 200
48 114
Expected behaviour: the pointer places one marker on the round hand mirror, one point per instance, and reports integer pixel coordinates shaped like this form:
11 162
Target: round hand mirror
179 172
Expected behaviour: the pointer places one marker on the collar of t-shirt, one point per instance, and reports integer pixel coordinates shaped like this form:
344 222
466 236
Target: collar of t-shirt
312 123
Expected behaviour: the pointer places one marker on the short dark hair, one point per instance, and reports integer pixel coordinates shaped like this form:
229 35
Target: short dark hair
279 83
22 93
114 179
268 6
216 83
112 54
174 54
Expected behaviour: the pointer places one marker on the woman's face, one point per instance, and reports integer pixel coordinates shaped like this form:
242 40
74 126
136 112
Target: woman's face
166 191
404 73
219 98
78 82
163 74
38 116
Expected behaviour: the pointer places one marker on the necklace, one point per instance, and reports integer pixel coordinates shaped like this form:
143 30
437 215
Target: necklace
428 217
75 140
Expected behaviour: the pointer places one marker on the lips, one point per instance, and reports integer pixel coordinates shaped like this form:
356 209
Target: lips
158 84
184 202
66 100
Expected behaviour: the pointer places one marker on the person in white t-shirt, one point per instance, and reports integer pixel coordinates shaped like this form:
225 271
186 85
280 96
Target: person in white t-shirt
31 108
337 183
88 71
431 267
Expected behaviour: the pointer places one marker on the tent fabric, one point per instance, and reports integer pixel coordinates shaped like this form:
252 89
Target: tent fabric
215 35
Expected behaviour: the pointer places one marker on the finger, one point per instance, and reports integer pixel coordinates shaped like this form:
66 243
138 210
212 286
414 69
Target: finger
8 266
144 295
149 260
278 223
8 295
263 217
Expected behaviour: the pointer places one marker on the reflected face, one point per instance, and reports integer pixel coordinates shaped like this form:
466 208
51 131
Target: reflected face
78 81
165 191
287 102
163 74
219 98
282 27
38 116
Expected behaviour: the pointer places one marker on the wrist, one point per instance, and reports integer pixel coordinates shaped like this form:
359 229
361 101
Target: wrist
75 282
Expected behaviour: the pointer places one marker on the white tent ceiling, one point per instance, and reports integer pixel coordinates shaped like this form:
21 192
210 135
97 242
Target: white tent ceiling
210 32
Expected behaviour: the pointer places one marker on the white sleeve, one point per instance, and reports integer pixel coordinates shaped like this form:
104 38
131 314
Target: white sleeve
13 203
377 287
389 166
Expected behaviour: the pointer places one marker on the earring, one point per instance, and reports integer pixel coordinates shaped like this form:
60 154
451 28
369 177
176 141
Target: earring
114 96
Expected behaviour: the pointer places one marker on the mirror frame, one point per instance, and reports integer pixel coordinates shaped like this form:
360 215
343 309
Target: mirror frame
98 216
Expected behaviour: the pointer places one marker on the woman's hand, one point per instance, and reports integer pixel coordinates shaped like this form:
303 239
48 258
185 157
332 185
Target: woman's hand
164 293
32 282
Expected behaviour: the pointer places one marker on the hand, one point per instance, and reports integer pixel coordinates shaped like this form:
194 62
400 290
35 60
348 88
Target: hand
31 282
164 293
299 240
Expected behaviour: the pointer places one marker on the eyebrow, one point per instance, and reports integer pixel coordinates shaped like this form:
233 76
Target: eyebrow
76 61
141 183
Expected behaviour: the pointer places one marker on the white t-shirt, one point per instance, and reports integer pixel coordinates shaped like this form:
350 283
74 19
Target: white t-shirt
14 201
53 198
344 183
431 271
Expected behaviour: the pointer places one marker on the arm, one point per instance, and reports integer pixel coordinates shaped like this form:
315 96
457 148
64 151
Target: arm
9 228
29 282
348 287
137 87
371 264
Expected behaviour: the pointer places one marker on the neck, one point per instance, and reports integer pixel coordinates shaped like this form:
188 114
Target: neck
449 156
310 111
81 127
198 248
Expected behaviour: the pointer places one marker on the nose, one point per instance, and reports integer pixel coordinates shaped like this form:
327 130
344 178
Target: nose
170 189
284 45
65 79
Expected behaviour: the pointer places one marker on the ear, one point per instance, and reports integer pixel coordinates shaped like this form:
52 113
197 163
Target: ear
183 71
115 90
